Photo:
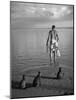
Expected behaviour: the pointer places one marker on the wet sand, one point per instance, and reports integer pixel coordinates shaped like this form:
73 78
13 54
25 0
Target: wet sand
50 86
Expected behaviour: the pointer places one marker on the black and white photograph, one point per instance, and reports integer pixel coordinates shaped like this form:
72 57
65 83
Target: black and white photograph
42 49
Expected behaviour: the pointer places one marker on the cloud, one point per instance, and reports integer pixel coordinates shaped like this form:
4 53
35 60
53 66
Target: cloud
39 10
24 15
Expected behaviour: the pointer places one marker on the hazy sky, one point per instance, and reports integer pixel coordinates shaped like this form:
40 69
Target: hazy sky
25 15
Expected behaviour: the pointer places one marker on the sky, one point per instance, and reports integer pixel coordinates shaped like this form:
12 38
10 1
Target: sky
33 15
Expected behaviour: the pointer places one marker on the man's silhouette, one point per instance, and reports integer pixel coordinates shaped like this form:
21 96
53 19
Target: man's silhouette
53 44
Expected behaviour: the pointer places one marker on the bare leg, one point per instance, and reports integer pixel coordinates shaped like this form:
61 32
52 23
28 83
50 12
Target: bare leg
54 57
50 56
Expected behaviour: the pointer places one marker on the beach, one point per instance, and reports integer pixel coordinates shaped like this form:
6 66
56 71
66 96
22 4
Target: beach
28 56
50 86
31 24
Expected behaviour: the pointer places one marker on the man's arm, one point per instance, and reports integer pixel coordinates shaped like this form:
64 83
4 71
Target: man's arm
47 40
57 36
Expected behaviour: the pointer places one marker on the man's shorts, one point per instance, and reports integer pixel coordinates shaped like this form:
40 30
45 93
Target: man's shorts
54 48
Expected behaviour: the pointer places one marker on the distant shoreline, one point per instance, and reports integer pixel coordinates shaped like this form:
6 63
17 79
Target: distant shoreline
49 28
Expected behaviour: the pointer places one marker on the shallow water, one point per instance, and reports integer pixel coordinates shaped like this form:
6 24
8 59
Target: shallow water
28 48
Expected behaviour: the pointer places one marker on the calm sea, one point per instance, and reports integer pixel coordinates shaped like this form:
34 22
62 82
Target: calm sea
28 48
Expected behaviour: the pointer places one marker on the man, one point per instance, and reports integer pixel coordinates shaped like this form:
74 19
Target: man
53 44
